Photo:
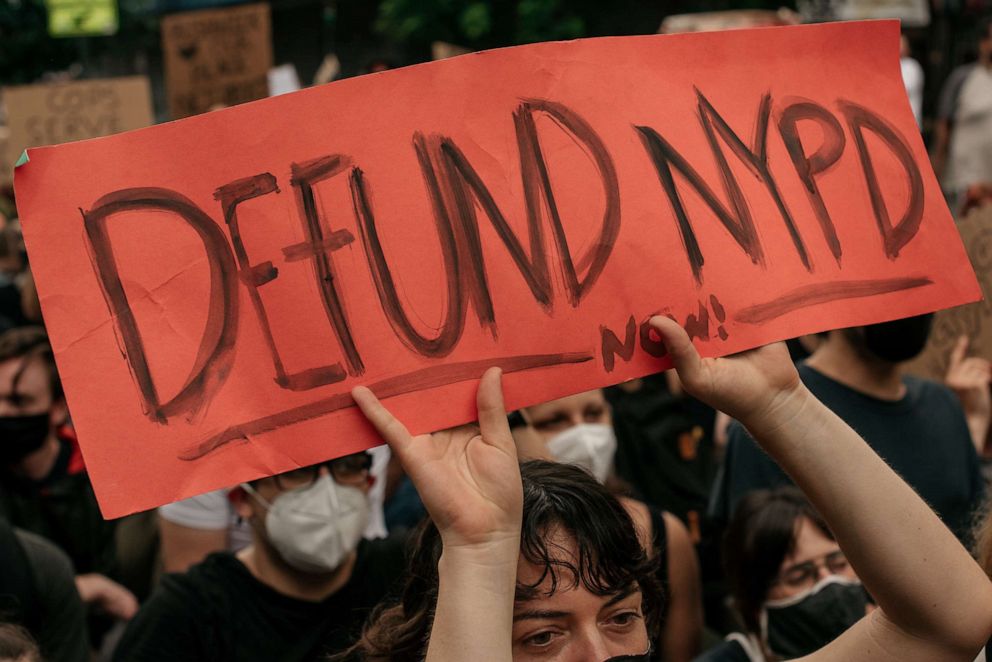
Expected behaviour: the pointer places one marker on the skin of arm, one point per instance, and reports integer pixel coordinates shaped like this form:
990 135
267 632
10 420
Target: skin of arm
682 632
184 546
682 636
935 603
469 480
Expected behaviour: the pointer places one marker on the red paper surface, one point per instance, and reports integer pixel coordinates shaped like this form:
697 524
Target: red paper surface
215 286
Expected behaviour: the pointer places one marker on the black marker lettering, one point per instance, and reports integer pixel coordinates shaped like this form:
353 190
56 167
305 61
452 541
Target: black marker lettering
215 354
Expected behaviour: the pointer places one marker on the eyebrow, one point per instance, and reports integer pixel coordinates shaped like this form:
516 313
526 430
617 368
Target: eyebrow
538 614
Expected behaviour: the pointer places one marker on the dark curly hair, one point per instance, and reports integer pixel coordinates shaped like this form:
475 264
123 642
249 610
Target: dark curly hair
609 558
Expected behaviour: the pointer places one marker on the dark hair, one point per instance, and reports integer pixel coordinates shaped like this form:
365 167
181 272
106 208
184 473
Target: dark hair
557 497
31 341
16 644
761 534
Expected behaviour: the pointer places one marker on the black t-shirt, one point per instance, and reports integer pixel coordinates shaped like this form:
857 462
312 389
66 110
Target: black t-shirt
219 611
63 509
725 651
923 437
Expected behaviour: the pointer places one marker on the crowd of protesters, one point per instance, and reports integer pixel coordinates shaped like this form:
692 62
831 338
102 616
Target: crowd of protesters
763 507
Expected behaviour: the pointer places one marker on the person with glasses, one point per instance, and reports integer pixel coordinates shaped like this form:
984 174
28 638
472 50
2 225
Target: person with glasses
791 583
300 591
191 529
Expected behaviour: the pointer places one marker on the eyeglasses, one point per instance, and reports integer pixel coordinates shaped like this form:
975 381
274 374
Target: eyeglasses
345 470
805 574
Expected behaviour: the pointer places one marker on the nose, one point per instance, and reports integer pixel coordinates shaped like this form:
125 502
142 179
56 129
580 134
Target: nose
323 471
590 646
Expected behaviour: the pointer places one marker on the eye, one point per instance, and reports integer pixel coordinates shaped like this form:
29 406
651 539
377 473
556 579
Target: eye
595 413
556 422
540 639
625 618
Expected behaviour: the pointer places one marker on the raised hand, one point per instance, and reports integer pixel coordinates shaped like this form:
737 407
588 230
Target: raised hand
468 477
969 378
754 387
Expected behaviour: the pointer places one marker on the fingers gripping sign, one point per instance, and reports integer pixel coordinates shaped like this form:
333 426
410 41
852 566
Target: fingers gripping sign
468 477
748 386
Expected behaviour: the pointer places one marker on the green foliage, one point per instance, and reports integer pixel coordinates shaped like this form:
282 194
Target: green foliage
479 23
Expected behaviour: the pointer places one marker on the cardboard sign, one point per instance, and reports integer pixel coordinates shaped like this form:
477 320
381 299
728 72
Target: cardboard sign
973 320
82 18
53 113
216 58
215 287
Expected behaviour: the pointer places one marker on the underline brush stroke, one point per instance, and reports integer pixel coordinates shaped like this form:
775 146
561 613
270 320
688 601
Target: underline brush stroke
426 378
811 295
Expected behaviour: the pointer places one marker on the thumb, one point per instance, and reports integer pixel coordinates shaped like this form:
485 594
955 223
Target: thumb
680 348
960 350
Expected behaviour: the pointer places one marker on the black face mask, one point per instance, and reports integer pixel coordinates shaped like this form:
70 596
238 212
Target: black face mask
896 341
21 435
806 623
630 658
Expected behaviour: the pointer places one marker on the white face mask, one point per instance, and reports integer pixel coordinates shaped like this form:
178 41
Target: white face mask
587 445
314 528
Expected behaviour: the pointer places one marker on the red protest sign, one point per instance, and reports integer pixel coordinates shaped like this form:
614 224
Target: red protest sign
215 286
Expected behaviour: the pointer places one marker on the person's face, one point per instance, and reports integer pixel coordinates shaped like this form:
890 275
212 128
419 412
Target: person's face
349 471
815 557
32 393
574 624
985 46
556 416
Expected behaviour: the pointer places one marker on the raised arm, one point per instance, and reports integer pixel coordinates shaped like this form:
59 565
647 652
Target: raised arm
935 602
469 480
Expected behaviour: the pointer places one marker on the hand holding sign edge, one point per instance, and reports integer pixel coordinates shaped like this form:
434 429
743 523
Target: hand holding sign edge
758 387
468 476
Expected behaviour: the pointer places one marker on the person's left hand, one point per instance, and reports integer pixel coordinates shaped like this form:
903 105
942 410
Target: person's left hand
108 595
468 477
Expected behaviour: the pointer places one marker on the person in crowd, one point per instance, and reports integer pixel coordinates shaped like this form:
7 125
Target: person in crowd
912 79
12 276
529 569
791 584
44 487
38 592
915 424
963 134
578 429
16 645
300 591
193 528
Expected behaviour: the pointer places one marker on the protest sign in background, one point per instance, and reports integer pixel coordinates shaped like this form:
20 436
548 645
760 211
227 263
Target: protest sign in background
215 287
973 320
52 113
216 57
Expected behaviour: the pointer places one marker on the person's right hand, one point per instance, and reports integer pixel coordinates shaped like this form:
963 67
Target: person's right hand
757 387
969 377
468 477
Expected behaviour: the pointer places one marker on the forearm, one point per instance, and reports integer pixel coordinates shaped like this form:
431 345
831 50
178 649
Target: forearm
474 615
919 574
978 427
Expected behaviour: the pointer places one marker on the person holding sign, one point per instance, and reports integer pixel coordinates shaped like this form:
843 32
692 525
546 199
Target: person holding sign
496 598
